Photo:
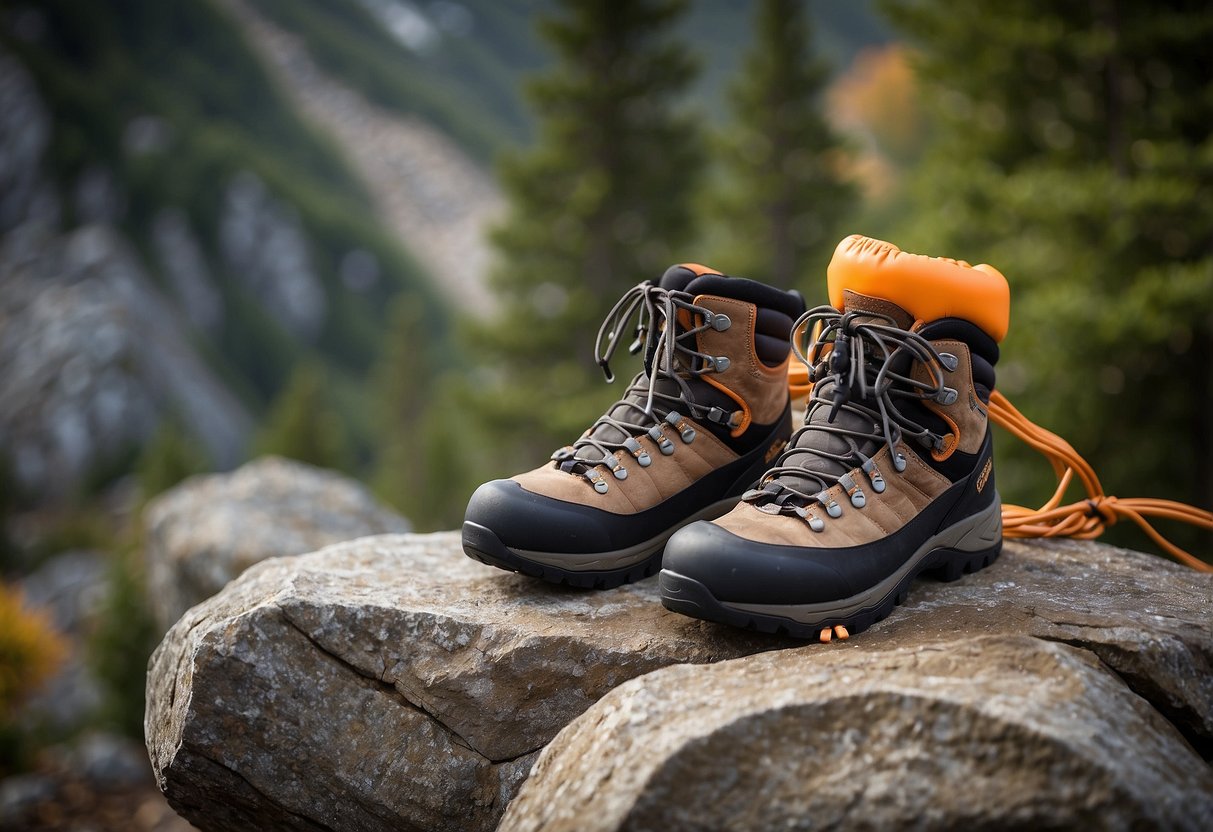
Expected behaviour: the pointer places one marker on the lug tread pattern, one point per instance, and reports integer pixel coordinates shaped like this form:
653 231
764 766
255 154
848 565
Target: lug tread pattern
689 597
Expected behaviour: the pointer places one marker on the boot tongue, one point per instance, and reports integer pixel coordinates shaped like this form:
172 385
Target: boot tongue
879 308
675 279
882 312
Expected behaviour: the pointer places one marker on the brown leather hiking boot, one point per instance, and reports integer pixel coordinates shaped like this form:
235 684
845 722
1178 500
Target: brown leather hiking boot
693 431
892 473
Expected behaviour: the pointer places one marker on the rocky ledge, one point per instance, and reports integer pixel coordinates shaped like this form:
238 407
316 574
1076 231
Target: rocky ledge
392 683
212 527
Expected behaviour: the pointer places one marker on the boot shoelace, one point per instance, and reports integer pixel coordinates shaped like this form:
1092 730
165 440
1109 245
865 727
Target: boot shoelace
862 352
668 356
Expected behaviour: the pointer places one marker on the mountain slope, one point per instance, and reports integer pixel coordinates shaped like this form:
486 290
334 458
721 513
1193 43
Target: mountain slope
161 129
434 197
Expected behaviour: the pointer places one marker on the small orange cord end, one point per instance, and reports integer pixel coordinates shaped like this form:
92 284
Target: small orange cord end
828 634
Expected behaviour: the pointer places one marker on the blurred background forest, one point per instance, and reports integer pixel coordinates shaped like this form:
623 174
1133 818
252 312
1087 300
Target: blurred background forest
378 236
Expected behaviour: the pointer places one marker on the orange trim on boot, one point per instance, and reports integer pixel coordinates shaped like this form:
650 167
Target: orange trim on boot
699 269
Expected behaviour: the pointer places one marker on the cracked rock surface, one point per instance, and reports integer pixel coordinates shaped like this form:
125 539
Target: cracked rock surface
391 682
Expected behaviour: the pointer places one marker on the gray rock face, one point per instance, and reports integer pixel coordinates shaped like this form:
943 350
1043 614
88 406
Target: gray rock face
995 732
25 129
390 683
209 529
93 356
183 264
262 239
393 683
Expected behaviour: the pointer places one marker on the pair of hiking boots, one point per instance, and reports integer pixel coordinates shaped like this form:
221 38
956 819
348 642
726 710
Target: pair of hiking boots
697 470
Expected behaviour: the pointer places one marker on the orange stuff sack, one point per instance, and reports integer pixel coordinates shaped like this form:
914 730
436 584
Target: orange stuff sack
928 288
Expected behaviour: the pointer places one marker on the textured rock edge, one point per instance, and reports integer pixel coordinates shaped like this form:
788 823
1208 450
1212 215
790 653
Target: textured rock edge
1178 645
658 751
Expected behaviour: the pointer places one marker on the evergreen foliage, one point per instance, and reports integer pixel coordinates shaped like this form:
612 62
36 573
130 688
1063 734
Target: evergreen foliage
412 455
602 202
1073 151
304 425
460 78
168 458
123 642
784 199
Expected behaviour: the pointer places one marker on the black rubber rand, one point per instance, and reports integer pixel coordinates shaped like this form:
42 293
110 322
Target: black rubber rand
481 544
554 521
686 595
689 597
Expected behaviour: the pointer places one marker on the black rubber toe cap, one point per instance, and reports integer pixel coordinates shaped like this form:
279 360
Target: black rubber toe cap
525 521
747 572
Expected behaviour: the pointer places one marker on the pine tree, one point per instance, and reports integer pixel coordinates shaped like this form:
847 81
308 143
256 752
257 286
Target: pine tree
170 456
403 389
601 202
303 424
784 196
1074 152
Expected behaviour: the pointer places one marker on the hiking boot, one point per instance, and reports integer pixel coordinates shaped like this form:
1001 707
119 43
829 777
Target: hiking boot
693 431
891 474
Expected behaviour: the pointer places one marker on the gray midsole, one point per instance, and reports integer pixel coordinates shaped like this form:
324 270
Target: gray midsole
621 558
977 533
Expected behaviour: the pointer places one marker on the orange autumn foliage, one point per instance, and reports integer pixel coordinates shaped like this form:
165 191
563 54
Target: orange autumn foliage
30 650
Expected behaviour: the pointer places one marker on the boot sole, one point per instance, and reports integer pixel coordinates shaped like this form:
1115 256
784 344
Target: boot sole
597 570
966 547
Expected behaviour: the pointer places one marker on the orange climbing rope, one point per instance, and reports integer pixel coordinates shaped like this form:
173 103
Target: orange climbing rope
1085 519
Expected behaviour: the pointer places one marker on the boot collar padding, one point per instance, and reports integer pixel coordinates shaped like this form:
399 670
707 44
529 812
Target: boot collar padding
928 288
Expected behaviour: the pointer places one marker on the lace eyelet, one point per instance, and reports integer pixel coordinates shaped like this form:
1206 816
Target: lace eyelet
832 507
878 484
637 450
615 467
663 442
815 522
680 424
853 490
